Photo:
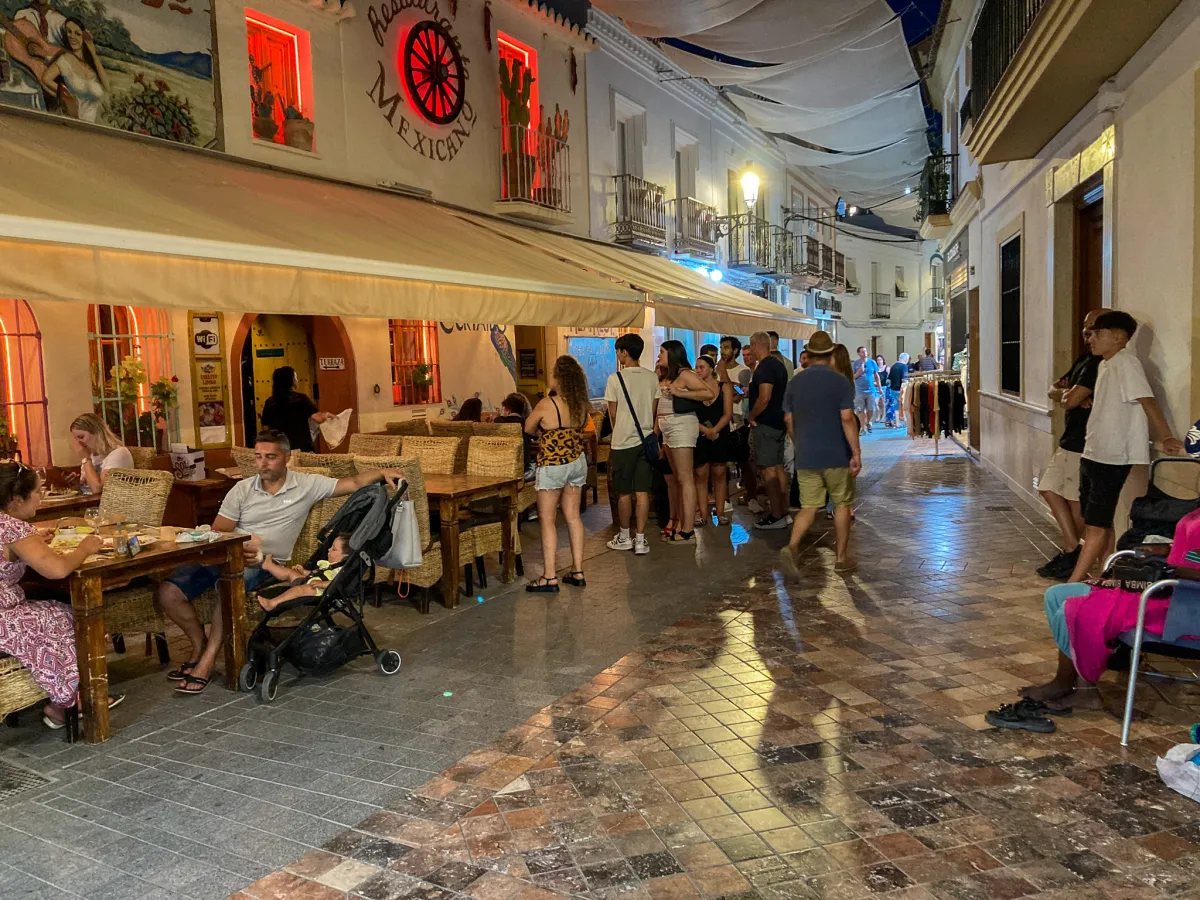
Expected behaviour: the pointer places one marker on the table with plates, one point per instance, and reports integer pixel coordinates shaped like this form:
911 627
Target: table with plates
452 493
65 505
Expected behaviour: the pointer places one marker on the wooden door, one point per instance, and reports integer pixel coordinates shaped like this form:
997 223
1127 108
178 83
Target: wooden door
281 341
1089 262
531 361
973 367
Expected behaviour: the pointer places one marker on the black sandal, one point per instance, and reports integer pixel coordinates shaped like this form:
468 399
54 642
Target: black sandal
185 686
543 585
575 582
182 672
1012 716
1039 708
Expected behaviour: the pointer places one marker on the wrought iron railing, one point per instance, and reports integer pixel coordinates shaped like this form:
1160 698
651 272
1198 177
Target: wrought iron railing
785 250
827 262
881 306
829 305
839 269
751 243
640 218
937 188
806 259
937 305
999 31
535 167
695 227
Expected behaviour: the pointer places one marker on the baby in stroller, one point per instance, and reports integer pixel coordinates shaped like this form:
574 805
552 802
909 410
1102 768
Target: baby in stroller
297 581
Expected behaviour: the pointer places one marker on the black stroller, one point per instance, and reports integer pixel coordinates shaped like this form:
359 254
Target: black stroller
320 643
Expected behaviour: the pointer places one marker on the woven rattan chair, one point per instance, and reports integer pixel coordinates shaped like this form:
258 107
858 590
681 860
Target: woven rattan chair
463 430
436 454
18 690
143 457
497 429
375 444
340 465
243 458
494 457
409 427
136 495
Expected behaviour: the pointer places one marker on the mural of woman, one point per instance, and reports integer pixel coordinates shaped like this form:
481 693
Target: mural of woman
78 67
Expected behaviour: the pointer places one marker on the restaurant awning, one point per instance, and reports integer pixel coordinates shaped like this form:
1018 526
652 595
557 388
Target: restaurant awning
683 298
93 217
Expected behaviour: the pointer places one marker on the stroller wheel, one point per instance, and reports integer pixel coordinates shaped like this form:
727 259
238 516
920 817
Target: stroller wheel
268 686
248 677
388 662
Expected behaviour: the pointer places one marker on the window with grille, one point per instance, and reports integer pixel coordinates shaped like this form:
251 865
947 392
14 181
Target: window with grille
23 385
416 374
282 55
1010 316
129 349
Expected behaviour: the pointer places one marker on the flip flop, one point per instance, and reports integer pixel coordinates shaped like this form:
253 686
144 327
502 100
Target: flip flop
1008 716
185 685
181 673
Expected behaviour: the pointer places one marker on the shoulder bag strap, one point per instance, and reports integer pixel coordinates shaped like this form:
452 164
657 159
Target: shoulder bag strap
632 411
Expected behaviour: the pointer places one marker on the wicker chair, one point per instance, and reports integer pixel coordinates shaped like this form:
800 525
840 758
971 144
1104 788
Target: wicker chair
375 444
339 465
243 458
143 457
496 457
429 573
463 430
497 429
409 427
17 688
136 495
436 454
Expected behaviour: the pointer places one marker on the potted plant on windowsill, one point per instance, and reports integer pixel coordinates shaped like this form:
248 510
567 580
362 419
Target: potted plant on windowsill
554 137
520 166
164 397
297 130
422 381
262 103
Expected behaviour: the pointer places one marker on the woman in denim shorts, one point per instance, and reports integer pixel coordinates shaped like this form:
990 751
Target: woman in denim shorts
559 420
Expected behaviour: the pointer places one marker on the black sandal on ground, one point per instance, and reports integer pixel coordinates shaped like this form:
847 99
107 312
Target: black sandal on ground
682 537
1039 708
1012 716
543 585
185 686
574 581
182 672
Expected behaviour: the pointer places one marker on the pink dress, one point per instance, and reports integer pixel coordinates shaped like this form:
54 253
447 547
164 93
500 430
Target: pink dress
40 634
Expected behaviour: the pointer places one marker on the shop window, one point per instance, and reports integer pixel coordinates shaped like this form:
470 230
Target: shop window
130 349
1010 316
416 373
280 72
23 385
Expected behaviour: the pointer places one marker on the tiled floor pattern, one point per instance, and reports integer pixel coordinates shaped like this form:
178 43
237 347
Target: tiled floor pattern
199 796
816 739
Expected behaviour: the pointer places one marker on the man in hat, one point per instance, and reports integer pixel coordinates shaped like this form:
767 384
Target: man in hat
819 411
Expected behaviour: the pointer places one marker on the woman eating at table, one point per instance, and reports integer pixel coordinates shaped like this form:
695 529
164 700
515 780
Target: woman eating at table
101 451
39 634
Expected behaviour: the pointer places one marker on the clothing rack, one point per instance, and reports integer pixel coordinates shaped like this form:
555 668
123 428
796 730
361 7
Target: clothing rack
918 378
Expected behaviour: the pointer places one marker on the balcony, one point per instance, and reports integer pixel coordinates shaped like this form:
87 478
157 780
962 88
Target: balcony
966 116
695 229
535 175
785 250
751 244
937 306
806 263
828 306
839 272
1036 63
641 213
827 266
881 306
935 196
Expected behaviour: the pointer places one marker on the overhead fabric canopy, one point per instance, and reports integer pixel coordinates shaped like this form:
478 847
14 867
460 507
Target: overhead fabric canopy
663 18
196 231
891 119
683 298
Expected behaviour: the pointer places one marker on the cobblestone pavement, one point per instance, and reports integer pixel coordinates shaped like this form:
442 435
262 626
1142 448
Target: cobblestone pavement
755 739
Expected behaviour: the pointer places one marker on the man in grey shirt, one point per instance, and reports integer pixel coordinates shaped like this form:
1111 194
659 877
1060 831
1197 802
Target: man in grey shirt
819 410
272 507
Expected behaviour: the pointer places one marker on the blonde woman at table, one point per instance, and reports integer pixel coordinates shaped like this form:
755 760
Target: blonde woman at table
100 449
40 634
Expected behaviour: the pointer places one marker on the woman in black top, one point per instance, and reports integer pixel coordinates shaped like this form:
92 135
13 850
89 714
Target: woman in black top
289 411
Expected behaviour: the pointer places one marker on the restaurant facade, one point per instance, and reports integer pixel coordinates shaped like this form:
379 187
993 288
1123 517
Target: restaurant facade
391 198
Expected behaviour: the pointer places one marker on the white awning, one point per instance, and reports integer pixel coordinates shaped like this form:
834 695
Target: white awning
93 217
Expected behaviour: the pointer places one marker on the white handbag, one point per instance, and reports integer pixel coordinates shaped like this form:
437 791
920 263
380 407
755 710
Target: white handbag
405 552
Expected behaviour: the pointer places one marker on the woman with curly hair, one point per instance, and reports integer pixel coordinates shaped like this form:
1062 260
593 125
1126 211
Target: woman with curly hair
559 420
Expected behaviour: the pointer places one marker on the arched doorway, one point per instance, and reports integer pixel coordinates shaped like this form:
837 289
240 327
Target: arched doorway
317 347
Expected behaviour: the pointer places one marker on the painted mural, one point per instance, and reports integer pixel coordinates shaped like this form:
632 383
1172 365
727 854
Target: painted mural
477 361
143 66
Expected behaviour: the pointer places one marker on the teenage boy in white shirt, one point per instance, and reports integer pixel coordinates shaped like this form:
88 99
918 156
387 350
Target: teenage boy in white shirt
632 474
1124 414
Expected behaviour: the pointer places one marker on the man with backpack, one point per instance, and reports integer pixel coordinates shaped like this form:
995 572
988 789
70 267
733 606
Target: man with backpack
632 396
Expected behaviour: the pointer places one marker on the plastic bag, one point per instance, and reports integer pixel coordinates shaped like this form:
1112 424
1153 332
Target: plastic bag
334 430
1179 770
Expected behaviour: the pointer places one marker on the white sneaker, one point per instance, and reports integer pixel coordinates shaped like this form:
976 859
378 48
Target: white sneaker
728 507
640 546
620 543
756 507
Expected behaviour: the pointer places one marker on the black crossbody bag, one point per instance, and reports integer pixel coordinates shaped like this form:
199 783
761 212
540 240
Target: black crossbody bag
651 444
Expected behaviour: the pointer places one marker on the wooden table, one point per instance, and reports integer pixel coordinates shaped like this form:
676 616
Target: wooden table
65 507
193 503
452 493
89 582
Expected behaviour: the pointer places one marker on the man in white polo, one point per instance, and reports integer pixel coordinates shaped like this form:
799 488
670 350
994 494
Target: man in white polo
272 507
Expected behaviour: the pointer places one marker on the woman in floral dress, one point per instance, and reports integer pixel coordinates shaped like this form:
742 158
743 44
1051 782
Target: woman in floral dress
40 634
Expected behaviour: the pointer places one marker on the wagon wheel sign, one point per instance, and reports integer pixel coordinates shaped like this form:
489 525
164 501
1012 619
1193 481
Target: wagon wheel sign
433 72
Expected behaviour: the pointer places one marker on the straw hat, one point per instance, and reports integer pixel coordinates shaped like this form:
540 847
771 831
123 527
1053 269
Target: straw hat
819 344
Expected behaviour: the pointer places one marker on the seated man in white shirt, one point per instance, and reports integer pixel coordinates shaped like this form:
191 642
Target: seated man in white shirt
272 507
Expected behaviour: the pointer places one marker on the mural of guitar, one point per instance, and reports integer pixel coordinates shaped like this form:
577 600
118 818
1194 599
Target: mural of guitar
25 45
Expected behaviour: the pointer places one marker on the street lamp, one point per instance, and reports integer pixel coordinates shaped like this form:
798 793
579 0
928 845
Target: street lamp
750 182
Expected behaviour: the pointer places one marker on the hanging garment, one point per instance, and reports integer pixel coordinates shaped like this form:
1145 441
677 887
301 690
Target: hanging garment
958 421
944 408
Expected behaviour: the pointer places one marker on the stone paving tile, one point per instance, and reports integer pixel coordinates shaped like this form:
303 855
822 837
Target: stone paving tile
815 739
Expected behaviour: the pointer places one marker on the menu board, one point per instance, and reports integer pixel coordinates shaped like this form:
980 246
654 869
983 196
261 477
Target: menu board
210 380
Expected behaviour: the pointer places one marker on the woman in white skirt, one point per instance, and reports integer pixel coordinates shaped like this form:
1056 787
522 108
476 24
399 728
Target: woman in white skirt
683 394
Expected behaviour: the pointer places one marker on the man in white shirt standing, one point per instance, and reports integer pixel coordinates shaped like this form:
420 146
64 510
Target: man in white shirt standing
631 391
1124 414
